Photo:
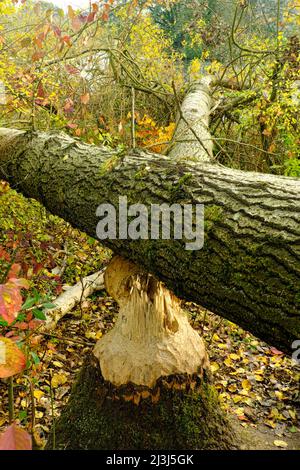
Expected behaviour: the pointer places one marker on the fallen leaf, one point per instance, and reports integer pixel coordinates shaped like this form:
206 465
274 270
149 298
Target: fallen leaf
246 385
214 366
282 444
38 394
58 379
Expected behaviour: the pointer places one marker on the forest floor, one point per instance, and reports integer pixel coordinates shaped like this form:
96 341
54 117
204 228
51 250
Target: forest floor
258 385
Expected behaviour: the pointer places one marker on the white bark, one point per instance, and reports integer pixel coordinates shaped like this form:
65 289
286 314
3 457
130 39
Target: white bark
71 297
193 125
152 337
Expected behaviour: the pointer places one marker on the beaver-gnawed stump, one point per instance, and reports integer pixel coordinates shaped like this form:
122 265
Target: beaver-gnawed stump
147 385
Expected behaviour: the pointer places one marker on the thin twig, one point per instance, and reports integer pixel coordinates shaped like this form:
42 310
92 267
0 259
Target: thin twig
133 143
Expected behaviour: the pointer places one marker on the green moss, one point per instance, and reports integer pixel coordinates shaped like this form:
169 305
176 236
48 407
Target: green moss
97 417
108 165
141 173
177 191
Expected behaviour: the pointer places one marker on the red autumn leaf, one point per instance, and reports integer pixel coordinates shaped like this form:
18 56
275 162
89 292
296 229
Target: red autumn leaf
14 271
91 17
29 316
33 324
72 125
85 98
38 267
12 359
76 24
72 70
4 255
38 55
83 18
40 91
95 7
56 30
105 16
15 438
23 325
67 40
11 299
276 352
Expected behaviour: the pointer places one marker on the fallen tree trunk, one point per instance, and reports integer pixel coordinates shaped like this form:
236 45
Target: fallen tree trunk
249 268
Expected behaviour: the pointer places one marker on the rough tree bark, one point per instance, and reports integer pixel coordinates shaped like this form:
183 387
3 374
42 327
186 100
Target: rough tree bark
249 268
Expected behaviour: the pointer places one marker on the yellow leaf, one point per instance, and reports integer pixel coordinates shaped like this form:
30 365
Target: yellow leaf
234 357
274 413
244 392
38 394
232 388
58 379
282 444
228 362
2 420
248 401
246 385
216 337
58 364
270 423
279 395
90 334
258 378
237 399
239 411
214 366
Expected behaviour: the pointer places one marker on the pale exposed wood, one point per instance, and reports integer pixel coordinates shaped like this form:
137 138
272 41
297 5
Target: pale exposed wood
152 336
